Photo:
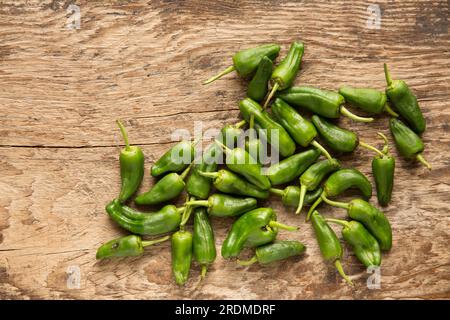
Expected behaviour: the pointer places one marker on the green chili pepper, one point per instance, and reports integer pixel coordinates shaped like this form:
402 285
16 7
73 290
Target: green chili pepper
290 196
300 129
291 168
312 177
408 142
338 139
181 256
165 220
276 134
260 237
257 88
367 99
128 246
246 61
372 218
276 251
228 182
222 205
131 167
340 181
231 133
203 245
326 103
255 148
404 102
284 74
383 167
175 159
364 245
245 226
329 244
198 185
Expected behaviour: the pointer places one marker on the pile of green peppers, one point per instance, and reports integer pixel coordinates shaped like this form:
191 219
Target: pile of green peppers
307 173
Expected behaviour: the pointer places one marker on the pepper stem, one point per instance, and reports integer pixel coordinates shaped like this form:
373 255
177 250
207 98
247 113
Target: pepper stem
248 262
220 75
337 221
276 224
321 149
124 134
353 116
152 242
198 203
389 110
240 124
186 171
313 207
204 271
342 205
272 92
422 160
302 198
185 217
369 147
251 123
278 192
339 268
224 147
181 209
385 149
211 175
387 75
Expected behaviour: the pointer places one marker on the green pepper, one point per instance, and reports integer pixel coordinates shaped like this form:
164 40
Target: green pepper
329 244
291 168
284 74
131 167
276 251
128 246
383 167
228 182
246 226
340 181
338 139
257 88
175 159
231 133
198 185
181 256
372 218
312 177
165 220
256 148
260 237
364 245
404 102
290 196
300 129
408 142
203 245
245 62
325 103
222 205
276 134
367 99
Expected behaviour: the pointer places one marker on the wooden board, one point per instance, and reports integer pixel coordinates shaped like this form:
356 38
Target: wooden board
143 61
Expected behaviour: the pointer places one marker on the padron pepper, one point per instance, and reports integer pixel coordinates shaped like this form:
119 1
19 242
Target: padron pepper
367 99
131 167
279 250
231 134
196 184
364 245
257 150
128 246
245 62
176 159
408 142
165 220
181 256
222 205
203 244
329 244
290 196
404 102
260 237
325 103
338 139
257 88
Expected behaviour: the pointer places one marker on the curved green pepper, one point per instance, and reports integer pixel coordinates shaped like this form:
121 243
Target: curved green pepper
222 205
198 185
165 220
175 159
203 245
364 245
246 61
367 99
407 141
257 88
181 256
231 134
128 246
256 148
338 139
329 244
290 196
131 167
276 251
404 102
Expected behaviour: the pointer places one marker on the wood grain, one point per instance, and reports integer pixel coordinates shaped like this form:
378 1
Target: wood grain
143 61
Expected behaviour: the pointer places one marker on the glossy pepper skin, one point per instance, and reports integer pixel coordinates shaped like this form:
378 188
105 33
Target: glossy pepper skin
404 102
260 237
279 250
284 74
131 167
256 148
176 159
181 256
245 62
285 145
228 182
329 244
407 141
338 139
290 196
367 99
292 167
328 104
257 88
203 244
222 205
128 246
196 184
165 220
231 134
364 245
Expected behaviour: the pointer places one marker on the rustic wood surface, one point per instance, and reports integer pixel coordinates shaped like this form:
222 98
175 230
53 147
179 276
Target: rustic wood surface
143 61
